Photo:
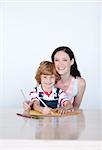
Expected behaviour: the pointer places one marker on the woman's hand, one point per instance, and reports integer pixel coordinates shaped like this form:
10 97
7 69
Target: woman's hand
68 106
63 110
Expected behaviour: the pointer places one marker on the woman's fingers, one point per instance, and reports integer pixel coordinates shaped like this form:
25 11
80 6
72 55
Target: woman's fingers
63 110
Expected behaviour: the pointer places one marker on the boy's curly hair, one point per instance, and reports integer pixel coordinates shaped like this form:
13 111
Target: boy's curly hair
46 68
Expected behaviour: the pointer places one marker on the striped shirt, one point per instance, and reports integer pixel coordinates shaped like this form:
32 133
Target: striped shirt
55 95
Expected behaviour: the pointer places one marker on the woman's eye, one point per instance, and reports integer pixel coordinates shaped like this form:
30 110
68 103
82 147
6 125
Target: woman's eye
64 59
56 60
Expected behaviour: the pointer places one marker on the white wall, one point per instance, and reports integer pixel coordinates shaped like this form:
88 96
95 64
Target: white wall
30 31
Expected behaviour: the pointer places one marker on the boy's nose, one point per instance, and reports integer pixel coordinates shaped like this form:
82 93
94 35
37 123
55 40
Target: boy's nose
49 80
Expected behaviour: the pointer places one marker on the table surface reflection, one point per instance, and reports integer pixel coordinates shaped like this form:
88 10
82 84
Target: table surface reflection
85 126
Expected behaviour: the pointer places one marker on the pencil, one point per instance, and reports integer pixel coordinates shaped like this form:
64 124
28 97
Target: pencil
26 116
44 104
42 101
22 115
23 94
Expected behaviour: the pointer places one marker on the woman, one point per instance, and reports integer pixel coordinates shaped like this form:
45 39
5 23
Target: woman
71 81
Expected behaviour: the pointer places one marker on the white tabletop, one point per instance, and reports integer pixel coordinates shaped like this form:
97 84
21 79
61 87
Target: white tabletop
86 126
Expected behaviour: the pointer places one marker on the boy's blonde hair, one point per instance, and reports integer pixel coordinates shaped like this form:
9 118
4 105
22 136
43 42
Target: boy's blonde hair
46 68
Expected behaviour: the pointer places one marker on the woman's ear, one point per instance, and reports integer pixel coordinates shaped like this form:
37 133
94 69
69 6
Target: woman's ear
72 61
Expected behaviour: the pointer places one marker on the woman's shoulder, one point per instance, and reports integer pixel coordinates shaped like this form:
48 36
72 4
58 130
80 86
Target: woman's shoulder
81 82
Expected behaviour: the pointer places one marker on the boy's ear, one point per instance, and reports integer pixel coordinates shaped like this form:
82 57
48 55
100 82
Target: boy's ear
72 61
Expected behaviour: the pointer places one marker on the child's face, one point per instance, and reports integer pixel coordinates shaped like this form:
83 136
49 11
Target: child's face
47 81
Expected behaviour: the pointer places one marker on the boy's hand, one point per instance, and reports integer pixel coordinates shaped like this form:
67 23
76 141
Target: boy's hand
46 110
26 105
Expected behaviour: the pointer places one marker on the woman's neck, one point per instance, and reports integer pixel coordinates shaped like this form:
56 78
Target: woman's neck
65 77
65 81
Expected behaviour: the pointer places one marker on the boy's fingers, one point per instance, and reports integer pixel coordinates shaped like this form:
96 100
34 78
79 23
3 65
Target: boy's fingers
26 106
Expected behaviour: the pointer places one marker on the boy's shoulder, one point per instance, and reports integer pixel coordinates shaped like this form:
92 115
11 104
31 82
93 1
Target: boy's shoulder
57 90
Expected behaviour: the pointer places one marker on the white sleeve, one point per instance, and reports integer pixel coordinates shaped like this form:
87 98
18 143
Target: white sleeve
33 94
62 97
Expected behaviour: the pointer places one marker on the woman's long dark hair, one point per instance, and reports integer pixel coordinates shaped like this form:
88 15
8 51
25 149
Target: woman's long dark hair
74 69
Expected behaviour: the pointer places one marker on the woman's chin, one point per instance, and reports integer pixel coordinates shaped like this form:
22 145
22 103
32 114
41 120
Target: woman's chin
61 72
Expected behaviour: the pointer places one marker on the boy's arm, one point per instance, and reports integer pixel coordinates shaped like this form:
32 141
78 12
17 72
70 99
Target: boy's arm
43 110
37 107
64 102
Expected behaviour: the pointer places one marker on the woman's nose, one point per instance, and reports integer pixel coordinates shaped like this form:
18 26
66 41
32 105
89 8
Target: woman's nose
60 63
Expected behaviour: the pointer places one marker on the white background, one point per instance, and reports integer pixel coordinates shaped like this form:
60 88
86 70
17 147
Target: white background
30 31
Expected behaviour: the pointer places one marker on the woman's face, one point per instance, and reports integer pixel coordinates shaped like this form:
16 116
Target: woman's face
62 62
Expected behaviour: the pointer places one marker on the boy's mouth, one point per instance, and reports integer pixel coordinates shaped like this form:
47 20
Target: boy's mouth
47 84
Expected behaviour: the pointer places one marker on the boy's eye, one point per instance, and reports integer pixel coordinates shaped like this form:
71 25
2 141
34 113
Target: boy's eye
45 77
53 76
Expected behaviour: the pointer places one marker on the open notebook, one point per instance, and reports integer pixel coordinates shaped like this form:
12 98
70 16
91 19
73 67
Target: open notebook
54 114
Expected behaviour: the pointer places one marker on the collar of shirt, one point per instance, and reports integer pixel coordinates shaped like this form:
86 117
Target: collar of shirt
48 94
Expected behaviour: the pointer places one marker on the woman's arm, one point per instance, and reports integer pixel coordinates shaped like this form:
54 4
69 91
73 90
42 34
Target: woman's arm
81 89
67 104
